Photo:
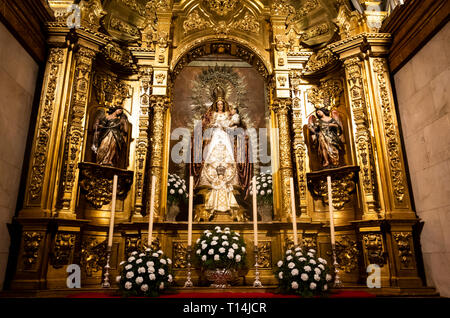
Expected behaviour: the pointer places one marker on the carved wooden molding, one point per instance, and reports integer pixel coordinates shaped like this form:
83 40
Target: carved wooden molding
412 25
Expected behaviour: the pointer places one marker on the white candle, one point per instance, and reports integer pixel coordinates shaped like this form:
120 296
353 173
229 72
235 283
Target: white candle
113 212
152 207
331 209
255 212
294 216
191 203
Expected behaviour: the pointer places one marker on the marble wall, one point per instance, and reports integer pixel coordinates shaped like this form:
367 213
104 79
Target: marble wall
423 97
18 75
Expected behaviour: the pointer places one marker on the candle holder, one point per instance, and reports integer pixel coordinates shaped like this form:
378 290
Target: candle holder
337 279
257 283
106 283
188 283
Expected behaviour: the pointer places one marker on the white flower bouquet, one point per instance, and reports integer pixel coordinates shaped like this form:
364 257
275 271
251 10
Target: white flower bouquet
145 274
176 189
220 249
264 188
303 273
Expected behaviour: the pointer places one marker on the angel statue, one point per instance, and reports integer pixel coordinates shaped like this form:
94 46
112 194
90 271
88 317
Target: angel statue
110 137
327 136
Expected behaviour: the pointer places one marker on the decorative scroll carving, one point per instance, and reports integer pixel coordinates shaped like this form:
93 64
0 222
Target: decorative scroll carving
195 23
115 54
110 90
265 254
405 254
319 61
326 95
343 184
91 14
145 80
179 251
363 138
248 24
39 160
347 254
156 243
281 7
309 243
391 133
62 249
281 108
373 247
122 26
132 243
31 245
96 183
75 135
93 255
221 7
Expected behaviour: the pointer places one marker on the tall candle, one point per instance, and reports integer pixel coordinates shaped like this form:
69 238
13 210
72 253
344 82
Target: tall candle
255 212
113 212
331 210
152 207
191 203
294 216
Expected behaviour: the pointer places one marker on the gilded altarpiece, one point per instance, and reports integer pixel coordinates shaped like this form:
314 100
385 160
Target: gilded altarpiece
307 55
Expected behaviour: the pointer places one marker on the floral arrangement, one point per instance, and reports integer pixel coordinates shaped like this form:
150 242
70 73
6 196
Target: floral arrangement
176 189
145 274
220 249
264 188
303 273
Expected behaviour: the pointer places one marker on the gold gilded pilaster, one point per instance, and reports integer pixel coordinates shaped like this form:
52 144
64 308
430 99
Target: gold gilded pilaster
142 144
362 136
281 108
75 132
38 193
159 105
397 197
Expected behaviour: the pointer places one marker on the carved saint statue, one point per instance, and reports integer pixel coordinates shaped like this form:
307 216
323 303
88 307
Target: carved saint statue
110 137
223 149
327 136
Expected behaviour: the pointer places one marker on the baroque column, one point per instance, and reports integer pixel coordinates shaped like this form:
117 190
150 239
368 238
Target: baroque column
159 105
281 107
142 143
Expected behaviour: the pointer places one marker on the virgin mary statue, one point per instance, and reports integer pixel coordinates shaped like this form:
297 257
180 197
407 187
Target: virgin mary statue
225 169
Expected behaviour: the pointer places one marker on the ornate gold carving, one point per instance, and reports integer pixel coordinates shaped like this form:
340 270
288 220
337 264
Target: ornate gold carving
281 7
156 243
248 24
42 139
195 23
221 7
373 247
281 108
75 133
117 55
110 90
160 77
159 105
122 26
31 246
347 254
145 81
391 133
93 255
319 61
96 183
326 95
265 254
343 184
91 13
179 252
62 249
405 253
363 138
349 22
282 80
132 243
309 242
